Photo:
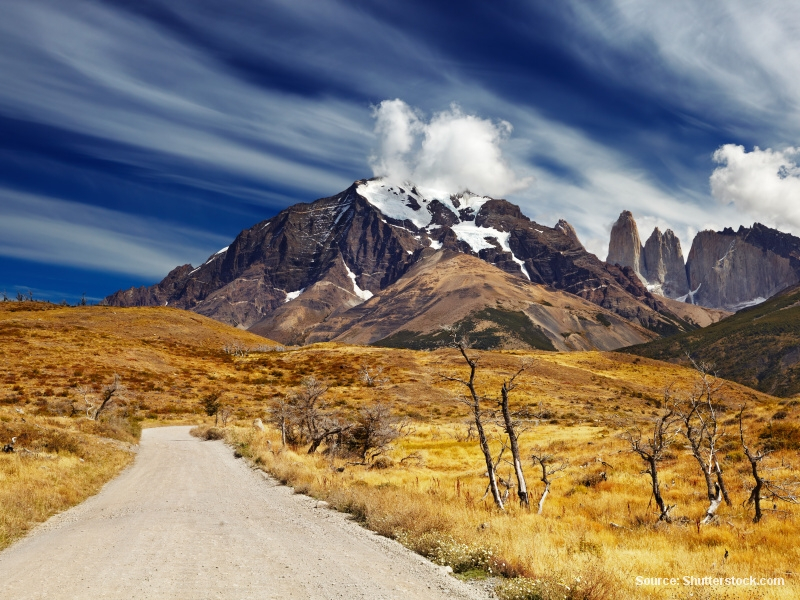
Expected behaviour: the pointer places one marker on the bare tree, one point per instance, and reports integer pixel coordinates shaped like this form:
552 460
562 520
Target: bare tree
280 415
785 491
83 391
225 412
373 433
550 466
651 450
700 414
511 429
307 412
108 395
372 376
474 402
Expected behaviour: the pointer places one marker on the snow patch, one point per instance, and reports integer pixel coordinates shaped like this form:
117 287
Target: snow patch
363 294
747 304
690 296
436 245
393 201
476 236
292 295
225 249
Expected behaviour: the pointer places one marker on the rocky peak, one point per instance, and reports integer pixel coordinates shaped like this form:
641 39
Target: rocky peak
625 247
568 230
665 268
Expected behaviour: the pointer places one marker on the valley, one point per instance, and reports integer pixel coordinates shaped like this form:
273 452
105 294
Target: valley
598 530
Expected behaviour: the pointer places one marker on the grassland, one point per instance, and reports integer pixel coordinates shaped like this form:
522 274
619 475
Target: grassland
597 532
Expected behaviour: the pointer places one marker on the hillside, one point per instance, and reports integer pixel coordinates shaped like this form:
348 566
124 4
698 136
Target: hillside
427 490
758 346
498 309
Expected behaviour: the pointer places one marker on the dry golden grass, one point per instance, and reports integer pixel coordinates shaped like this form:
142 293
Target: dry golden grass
57 463
433 502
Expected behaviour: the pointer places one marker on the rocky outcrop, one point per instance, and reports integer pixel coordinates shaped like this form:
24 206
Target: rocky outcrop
625 247
664 267
568 230
735 269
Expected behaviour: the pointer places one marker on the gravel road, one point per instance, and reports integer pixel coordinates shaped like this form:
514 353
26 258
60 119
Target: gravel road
188 520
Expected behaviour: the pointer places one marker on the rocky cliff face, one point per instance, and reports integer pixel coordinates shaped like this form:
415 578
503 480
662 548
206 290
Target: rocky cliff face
725 270
625 247
732 270
314 261
664 267
659 263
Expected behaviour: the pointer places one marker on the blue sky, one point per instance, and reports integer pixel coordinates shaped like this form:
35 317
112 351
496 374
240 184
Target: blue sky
138 135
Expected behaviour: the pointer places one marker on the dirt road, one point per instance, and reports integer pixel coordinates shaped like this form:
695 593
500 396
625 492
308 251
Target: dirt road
188 520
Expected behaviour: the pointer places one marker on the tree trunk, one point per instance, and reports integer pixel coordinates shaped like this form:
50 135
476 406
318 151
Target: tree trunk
713 506
487 455
721 483
755 495
663 508
522 488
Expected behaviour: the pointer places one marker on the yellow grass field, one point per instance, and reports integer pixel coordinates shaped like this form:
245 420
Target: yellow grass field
597 533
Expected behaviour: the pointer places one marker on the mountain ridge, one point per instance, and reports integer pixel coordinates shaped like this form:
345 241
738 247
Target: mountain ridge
314 261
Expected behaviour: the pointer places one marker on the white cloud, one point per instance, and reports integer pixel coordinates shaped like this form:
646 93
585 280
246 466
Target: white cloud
764 184
54 231
452 152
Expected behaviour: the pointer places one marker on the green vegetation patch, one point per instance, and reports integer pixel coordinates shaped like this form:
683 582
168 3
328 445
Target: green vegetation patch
758 346
507 324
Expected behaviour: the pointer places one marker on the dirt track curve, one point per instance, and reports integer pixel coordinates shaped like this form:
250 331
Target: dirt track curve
188 520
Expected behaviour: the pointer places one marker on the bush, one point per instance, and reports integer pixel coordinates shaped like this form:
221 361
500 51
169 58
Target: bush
445 551
781 436
207 433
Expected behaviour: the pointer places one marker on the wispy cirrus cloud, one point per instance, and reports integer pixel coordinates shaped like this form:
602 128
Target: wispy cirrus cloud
55 231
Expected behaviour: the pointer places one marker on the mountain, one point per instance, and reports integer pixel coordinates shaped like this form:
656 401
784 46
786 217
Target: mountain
725 269
658 263
315 261
736 269
758 346
497 309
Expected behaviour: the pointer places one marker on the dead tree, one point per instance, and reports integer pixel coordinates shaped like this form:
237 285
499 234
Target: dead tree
651 450
373 432
699 414
786 492
279 415
84 391
372 377
314 423
474 403
550 466
510 428
108 395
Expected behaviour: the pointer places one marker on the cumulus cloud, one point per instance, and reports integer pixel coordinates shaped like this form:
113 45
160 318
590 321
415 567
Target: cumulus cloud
451 152
764 184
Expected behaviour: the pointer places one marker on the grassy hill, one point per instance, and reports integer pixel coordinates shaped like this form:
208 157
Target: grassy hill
758 347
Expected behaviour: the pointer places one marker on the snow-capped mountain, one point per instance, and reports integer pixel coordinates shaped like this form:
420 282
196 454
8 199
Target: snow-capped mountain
286 276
